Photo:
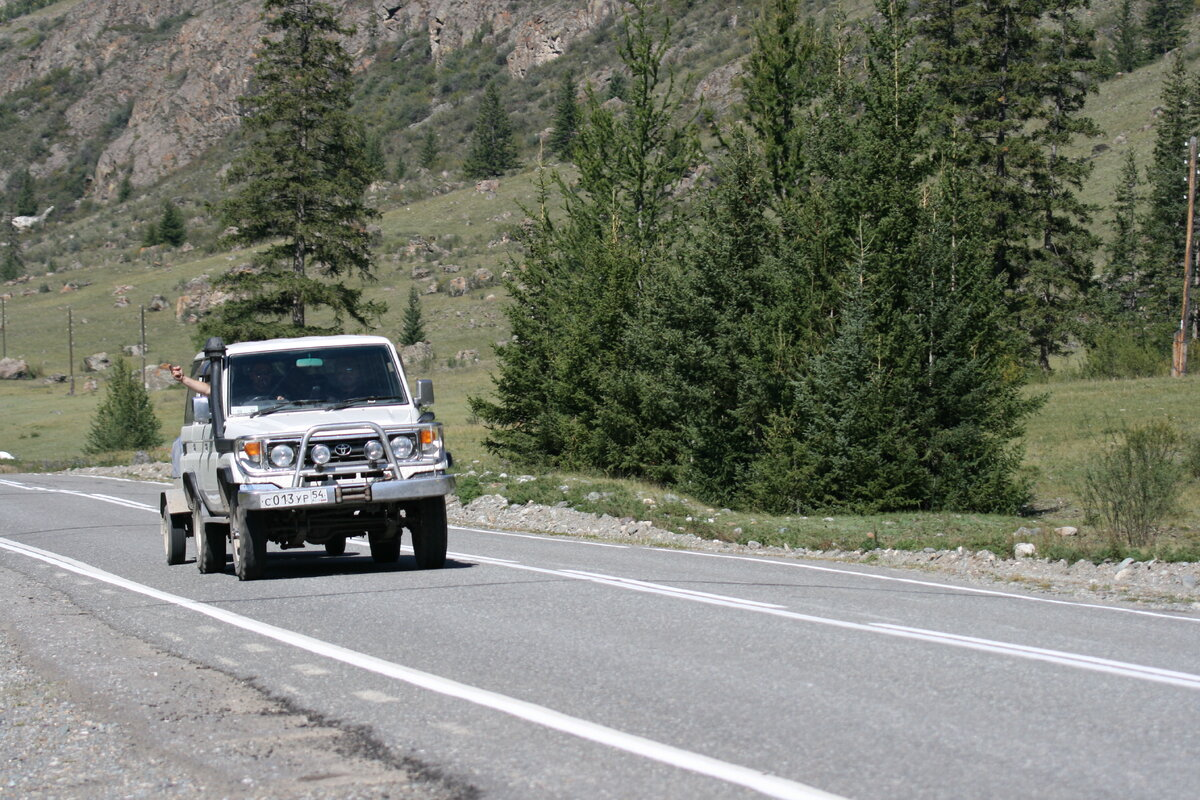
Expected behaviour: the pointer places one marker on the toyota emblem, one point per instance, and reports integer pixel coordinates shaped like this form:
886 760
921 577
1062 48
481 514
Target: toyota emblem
341 450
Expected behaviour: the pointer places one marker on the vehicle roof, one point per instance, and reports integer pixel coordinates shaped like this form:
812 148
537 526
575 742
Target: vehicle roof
301 343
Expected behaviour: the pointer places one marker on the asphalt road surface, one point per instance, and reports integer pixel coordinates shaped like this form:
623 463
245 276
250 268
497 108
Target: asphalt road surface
546 667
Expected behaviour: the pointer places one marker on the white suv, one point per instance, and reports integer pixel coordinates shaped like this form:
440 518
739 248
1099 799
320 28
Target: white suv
306 440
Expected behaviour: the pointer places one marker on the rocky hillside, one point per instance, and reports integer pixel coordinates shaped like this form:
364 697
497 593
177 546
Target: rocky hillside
139 88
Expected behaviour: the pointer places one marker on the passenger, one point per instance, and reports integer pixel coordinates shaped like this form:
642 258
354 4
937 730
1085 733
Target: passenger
199 387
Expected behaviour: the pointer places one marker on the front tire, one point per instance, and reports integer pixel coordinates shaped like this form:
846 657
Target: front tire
249 543
429 533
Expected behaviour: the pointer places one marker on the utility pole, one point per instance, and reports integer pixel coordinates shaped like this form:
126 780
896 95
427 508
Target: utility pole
1179 352
3 330
71 348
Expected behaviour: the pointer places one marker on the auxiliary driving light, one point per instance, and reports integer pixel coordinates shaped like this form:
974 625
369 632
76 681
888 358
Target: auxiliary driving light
319 454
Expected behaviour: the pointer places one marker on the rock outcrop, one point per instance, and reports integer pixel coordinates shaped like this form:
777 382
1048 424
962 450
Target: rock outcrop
178 67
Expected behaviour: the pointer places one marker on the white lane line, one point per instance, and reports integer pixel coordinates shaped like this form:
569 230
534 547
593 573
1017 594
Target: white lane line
769 785
1062 658
790 564
539 537
118 501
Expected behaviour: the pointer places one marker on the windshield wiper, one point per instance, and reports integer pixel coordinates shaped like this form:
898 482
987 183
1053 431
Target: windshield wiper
375 398
291 405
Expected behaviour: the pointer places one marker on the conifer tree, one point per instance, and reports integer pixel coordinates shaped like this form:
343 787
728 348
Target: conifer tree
299 186
561 393
125 419
1125 248
26 202
1164 233
171 228
1163 23
12 265
566 118
493 146
428 154
1127 38
414 328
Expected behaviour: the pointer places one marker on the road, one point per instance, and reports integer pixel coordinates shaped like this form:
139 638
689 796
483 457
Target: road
546 667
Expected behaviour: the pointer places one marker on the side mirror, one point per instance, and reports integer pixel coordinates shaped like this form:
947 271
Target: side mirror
201 411
424 393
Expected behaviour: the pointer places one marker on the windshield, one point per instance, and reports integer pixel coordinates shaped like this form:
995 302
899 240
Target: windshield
321 378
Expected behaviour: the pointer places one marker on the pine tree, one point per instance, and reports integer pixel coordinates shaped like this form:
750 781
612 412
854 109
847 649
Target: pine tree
125 419
172 229
566 118
562 394
789 66
428 155
493 146
26 204
125 189
1127 37
1163 24
1164 233
300 185
12 265
414 329
1125 249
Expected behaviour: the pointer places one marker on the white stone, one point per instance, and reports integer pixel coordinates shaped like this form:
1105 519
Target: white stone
1024 550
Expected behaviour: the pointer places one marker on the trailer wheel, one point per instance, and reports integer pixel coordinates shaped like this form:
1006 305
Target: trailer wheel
174 533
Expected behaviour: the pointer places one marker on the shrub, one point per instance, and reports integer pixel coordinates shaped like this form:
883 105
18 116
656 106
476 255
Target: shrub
1133 483
1124 353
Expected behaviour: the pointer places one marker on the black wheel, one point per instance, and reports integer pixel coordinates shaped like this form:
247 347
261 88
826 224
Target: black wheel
174 533
210 543
249 543
336 546
385 551
428 526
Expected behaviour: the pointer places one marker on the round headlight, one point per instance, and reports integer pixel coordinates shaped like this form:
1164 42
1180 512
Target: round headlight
282 455
319 454
402 446
373 450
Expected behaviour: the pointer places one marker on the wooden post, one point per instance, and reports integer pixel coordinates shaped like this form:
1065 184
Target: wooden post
1179 352
145 380
71 349
3 330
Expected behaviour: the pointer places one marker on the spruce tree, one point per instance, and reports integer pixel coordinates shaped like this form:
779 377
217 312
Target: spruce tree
1162 25
566 118
562 392
428 154
1125 248
172 229
12 265
493 145
299 186
1127 38
125 419
414 329
26 203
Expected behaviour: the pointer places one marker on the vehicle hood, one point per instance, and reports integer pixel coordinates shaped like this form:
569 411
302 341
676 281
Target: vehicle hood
297 422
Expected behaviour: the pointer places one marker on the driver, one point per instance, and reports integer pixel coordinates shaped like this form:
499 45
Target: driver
348 379
263 383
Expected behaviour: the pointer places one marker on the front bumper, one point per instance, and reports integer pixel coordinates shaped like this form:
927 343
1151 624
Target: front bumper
259 496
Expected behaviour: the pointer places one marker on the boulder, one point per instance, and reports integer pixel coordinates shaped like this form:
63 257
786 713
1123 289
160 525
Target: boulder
97 362
416 354
12 369
457 287
158 303
158 377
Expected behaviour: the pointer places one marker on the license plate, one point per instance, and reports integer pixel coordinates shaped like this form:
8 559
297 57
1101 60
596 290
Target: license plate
300 497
